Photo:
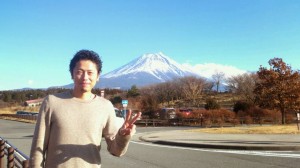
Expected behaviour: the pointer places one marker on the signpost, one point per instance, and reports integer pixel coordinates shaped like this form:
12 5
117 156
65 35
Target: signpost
102 93
124 103
298 118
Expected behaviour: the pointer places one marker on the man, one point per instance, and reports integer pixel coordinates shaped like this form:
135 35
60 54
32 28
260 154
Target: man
70 125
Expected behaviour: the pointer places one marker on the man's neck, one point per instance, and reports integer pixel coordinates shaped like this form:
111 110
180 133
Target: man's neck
83 95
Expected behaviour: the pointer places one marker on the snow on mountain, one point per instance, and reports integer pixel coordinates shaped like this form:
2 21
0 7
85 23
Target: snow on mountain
154 64
145 70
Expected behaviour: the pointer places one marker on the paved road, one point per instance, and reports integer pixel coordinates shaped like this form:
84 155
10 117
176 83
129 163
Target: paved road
145 154
17 133
188 138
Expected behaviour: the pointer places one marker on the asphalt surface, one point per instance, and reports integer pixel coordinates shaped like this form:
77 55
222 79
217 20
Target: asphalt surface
10 130
273 142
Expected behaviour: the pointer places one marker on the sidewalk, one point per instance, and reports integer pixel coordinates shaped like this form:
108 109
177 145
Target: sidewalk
225 141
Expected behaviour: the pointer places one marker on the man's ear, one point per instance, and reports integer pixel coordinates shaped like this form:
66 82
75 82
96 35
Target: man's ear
98 77
72 76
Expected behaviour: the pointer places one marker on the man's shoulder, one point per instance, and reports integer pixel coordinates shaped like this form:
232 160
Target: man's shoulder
103 100
59 96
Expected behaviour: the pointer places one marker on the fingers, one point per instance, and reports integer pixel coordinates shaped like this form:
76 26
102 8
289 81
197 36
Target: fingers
127 118
131 122
133 130
128 131
129 128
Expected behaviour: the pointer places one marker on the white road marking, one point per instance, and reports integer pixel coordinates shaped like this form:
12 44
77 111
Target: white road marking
287 154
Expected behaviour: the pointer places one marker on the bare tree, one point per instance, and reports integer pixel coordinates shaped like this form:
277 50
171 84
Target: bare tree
149 101
192 87
176 87
165 92
243 85
218 77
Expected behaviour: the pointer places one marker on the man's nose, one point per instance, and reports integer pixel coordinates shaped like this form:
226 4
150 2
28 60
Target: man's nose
85 75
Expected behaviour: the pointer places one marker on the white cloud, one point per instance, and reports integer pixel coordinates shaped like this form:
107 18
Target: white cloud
208 69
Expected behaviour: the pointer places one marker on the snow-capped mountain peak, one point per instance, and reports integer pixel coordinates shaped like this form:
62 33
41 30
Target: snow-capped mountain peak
154 64
145 70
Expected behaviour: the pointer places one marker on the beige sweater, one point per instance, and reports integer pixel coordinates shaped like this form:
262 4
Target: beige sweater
68 132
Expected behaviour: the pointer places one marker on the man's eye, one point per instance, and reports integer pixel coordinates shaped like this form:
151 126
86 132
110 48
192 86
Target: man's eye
79 72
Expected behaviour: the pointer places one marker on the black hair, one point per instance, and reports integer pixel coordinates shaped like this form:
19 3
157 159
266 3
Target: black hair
85 55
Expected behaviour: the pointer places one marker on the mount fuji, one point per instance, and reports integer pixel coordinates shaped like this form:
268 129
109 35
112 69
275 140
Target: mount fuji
145 70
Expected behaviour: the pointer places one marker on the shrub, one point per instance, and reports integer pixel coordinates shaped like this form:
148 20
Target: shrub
211 104
290 118
241 106
248 120
219 117
207 122
235 121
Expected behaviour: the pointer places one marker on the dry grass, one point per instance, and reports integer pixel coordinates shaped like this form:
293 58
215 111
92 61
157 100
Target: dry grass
14 109
274 129
18 119
9 110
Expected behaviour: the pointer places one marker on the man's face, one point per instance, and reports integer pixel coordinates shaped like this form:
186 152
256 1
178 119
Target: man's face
85 75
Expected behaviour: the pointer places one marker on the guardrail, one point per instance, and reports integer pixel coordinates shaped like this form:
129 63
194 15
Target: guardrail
152 122
204 122
165 122
14 157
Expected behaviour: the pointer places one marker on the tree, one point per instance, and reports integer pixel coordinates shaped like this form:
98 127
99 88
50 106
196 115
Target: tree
149 103
116 100
278 87
218 77
158 93
7 96
243 85
133 91
192 87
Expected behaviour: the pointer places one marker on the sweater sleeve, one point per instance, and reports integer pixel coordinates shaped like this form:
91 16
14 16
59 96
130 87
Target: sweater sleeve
116 144
41 136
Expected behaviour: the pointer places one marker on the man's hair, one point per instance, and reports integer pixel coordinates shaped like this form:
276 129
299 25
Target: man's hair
85 55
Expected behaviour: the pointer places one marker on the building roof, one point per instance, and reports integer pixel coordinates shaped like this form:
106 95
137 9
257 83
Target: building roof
34 101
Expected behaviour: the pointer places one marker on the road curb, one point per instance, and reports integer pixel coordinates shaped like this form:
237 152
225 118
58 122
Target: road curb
220 146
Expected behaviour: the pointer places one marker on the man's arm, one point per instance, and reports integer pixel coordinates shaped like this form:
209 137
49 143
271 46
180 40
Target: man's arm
118 139
41 136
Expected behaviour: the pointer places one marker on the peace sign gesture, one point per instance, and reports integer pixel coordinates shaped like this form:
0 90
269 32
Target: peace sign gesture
128 127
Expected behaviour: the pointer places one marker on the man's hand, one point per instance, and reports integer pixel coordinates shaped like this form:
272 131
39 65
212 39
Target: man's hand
128 127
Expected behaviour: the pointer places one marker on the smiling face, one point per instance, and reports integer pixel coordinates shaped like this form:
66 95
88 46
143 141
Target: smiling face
85 76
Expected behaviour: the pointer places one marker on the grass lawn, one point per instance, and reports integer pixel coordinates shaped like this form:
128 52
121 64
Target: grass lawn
273 129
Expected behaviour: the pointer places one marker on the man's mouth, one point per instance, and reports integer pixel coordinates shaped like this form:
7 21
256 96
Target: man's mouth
85 84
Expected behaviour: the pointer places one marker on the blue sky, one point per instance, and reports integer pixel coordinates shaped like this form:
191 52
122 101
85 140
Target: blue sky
38 37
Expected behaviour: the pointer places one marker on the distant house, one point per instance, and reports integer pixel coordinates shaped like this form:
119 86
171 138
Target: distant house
33 103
